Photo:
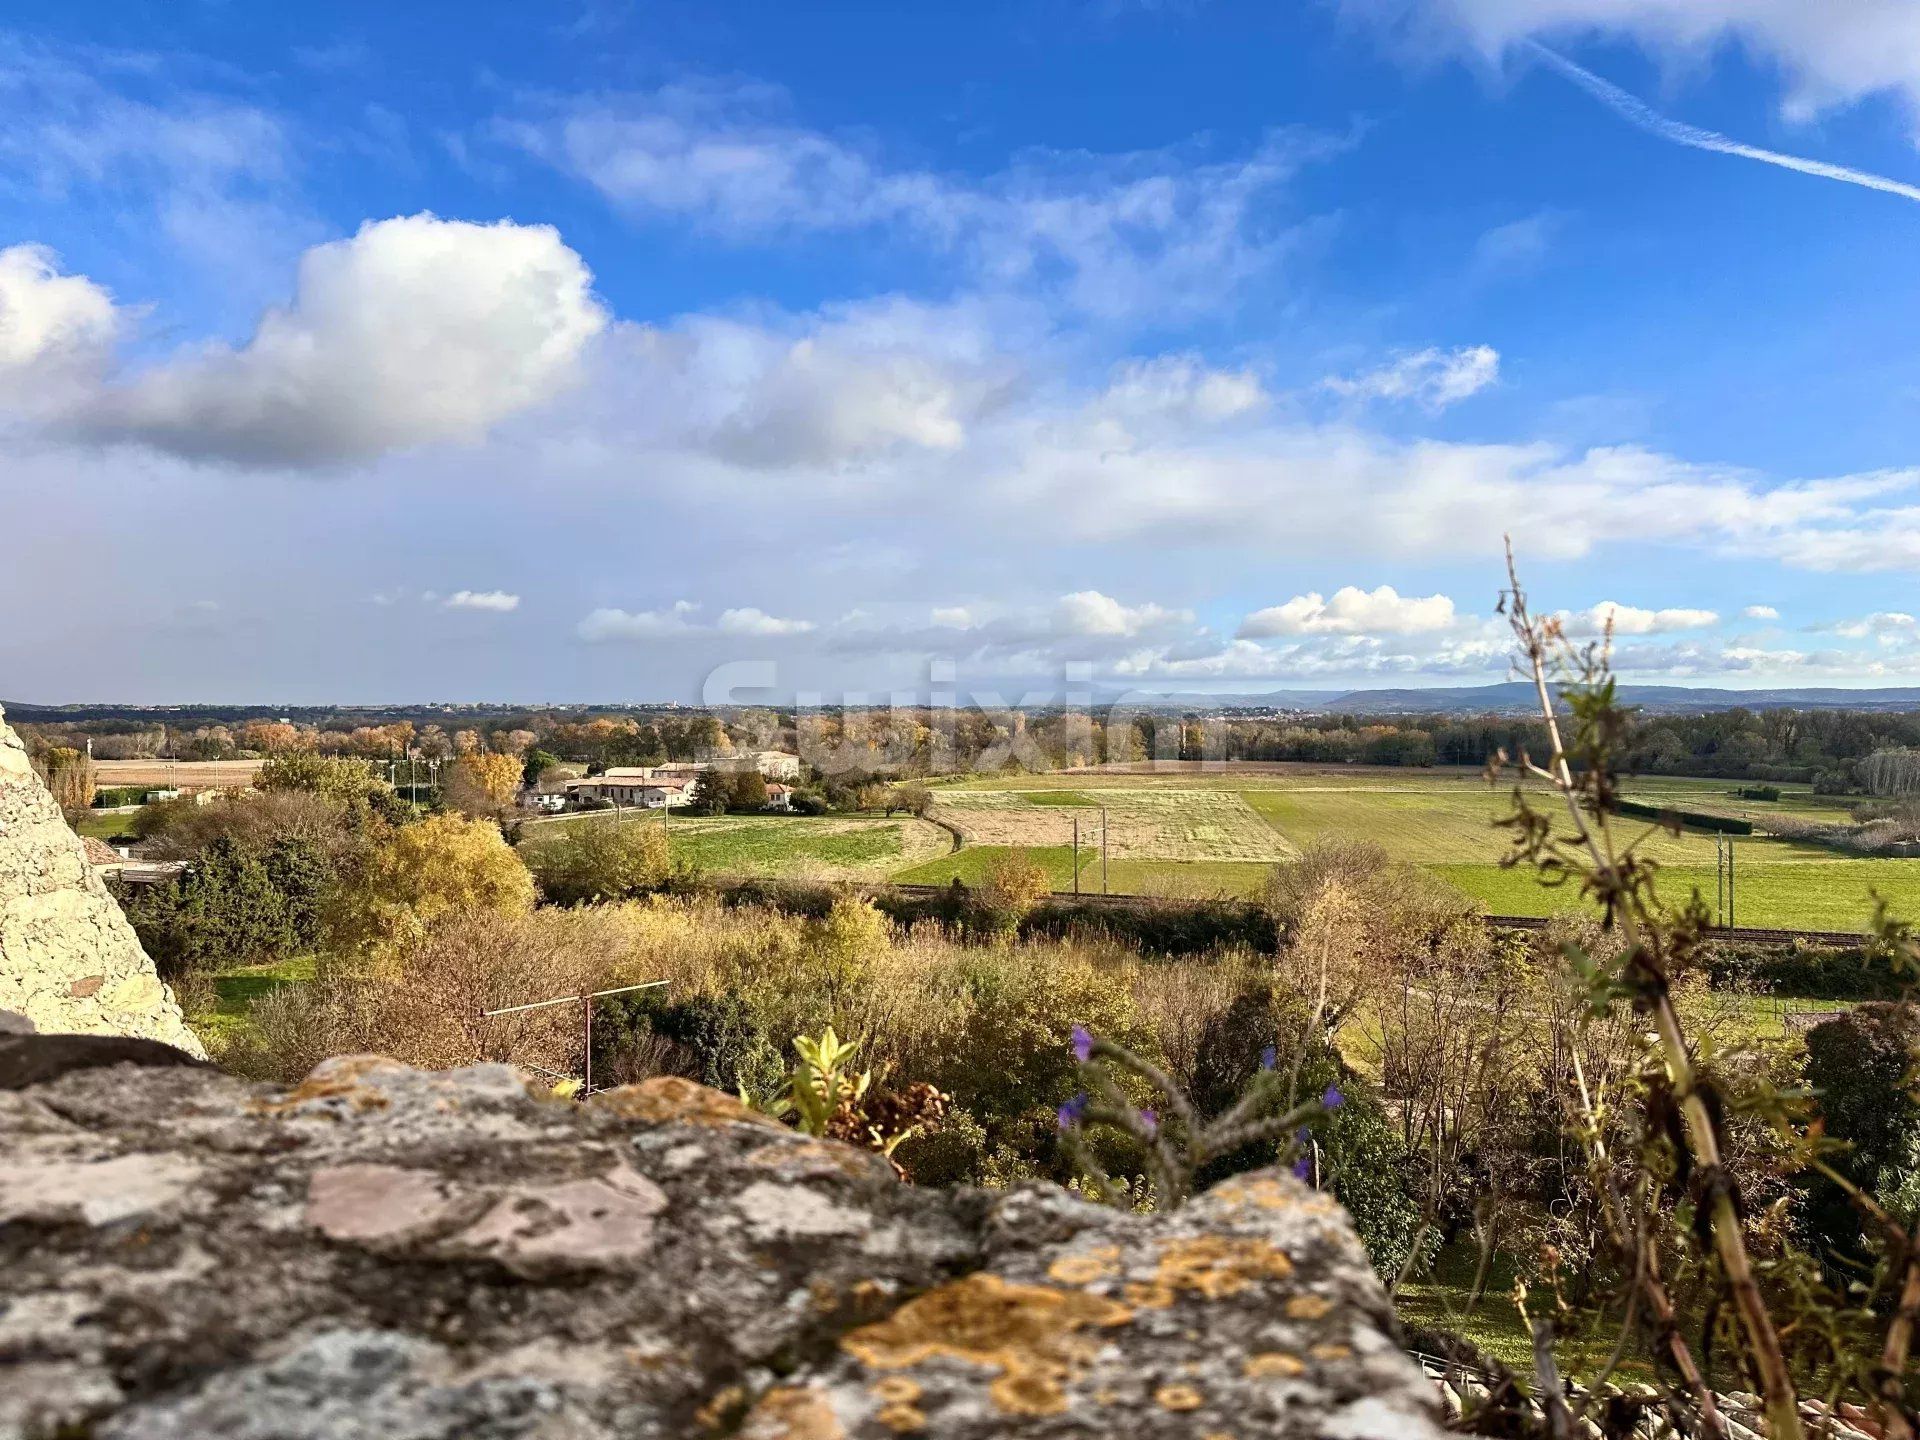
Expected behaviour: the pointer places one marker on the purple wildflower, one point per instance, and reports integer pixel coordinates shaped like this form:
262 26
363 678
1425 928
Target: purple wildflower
1333 1099
1303 1168
1068 1115
1151 1121
1082 1044
1269 1057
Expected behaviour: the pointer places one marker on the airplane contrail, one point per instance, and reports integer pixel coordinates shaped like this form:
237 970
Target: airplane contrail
1643 116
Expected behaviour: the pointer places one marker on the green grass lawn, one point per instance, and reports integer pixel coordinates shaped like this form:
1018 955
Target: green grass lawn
106 824
970 865
795 845
1831 894
236 990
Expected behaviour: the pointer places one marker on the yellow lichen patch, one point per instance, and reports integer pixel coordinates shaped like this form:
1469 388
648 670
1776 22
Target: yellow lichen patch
1331 1352
1217 1266
902 1419
1273 1365
1177 1397
336 1078
673 1099
1307 1307
792 1413
1085 1268
1028 1333
1264 1193
896 1390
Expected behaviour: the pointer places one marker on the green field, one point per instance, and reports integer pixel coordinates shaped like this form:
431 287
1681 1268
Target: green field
787 846
1219 832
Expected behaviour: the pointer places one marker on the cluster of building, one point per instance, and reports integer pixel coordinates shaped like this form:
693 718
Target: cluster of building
666 787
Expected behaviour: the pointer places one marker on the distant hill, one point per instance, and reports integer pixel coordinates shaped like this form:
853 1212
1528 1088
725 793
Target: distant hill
1516 696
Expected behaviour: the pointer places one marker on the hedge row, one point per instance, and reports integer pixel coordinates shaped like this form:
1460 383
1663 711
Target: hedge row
1162 927
1726 825
1819 972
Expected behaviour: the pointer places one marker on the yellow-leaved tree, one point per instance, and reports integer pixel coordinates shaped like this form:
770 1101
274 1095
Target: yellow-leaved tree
481 783
418 872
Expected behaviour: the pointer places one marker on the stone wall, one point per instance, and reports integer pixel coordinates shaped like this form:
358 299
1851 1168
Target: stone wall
387 1252
68 959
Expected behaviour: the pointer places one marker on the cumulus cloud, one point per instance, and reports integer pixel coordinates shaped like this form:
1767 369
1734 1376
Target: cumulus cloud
415 330
498 601
56 332
1088 612
613 624
750 621
953 617
1882 624
1633 620
1432 378
1351 611
1760 612
679 619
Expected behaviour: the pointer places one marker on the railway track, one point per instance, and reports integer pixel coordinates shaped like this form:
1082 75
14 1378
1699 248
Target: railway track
1747 934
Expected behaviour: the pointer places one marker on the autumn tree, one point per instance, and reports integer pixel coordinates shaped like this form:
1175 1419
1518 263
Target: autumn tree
480 783
70 778
419 872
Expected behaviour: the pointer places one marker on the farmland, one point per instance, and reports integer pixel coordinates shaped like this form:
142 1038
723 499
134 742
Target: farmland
791 847
1219 831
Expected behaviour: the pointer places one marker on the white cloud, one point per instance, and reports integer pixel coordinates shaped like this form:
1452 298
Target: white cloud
612 624
1633 620
1149 232
1882 624
1432 378
48 319
1351 611
953 617
1829 54
678 620
415 330
1089 613
839 388
1760 612
749 621
496 600
1182 388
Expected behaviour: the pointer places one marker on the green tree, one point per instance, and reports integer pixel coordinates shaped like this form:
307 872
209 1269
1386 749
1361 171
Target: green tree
712 793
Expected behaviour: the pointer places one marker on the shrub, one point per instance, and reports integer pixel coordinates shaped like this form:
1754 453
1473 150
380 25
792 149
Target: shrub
1758 792
1013 885
241 903
591 860
1865 1066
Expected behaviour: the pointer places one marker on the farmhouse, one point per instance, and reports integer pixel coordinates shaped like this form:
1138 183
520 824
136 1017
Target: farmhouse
634 787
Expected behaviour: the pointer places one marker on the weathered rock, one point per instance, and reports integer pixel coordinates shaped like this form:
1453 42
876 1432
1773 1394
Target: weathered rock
384 1252
68 959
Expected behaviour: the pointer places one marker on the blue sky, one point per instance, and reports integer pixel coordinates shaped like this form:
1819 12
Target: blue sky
571 352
